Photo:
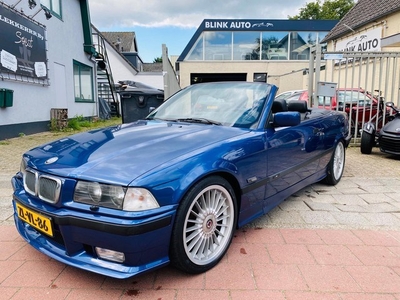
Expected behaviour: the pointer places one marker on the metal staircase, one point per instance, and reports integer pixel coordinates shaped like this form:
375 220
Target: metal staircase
105 82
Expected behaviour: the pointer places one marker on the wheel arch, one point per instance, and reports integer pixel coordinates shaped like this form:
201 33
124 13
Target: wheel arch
230 178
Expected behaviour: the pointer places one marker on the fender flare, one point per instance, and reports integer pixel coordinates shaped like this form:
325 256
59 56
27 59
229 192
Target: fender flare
369 128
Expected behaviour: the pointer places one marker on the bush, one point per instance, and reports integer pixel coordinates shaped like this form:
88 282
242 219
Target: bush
80 123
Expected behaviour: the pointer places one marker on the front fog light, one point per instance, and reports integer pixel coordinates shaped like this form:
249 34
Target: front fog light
110 255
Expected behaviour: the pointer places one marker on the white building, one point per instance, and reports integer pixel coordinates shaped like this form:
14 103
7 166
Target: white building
47 62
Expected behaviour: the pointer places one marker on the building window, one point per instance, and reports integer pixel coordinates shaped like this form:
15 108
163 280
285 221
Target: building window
196 53
254 45
83 82
218 45
275 45
300 44
246 46
54 6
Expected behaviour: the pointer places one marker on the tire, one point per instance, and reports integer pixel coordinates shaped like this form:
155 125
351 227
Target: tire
204 226
336 165
367 142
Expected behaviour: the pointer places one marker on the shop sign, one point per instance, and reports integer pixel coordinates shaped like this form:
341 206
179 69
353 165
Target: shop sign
22 45
369 41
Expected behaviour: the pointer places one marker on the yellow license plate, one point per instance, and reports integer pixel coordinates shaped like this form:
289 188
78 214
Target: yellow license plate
38 221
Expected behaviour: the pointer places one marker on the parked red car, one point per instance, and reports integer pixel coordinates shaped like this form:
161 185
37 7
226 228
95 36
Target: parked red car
362 104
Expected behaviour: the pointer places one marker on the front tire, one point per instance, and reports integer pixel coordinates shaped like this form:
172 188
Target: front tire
367 142
204 226
336 165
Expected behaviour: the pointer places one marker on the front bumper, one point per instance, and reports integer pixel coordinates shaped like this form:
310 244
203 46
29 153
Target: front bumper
144 241
389 143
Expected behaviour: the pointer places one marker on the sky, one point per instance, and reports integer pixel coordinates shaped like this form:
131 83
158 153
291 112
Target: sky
173 23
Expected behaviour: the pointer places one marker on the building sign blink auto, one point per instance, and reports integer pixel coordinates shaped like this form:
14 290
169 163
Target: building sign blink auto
22 45
369 41
235 24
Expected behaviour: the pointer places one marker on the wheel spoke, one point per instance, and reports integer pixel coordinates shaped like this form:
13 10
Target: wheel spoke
215 238
223 211
207 248
199 249
194 232
199 207
195 243
220 203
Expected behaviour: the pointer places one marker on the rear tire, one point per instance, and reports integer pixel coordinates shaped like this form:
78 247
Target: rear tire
367 142
336 165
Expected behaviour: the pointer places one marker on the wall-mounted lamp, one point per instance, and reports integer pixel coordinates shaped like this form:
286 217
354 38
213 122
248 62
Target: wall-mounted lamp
32 4
47 12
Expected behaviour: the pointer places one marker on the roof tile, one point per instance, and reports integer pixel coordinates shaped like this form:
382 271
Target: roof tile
363 12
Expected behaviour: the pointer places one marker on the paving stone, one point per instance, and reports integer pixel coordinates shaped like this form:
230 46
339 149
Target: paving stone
321 199
376 198
278 216
318 217
327 190
366 182
5 214
351 208
315 206
382 219
381 207
351 219
348 183
390 182
349 200
395 196
353 191
379 189
293 204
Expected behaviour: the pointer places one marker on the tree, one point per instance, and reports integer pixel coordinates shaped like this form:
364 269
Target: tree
157 60
328 10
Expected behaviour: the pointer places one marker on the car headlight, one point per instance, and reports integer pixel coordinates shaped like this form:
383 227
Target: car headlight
113 196
22 167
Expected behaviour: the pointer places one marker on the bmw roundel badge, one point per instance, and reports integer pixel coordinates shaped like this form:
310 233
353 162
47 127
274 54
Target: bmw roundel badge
51 160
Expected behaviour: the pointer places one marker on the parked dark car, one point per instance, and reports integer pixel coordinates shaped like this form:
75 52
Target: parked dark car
387 138
172 188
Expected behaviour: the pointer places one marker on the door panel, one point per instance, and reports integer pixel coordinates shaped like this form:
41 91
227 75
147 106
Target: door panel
292 154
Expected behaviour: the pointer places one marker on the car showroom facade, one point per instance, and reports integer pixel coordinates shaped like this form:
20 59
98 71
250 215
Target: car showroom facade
251 50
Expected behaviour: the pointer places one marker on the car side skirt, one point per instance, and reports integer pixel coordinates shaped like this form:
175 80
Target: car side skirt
275 176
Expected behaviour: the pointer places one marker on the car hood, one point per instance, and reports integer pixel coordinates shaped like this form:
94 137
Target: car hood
393 127
122 153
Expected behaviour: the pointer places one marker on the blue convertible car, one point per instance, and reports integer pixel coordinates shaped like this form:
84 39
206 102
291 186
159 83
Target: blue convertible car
174 187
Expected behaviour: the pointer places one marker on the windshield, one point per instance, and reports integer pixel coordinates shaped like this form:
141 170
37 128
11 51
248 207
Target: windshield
352 97
236 104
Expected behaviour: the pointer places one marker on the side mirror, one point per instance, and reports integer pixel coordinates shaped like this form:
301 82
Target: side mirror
285 119
390 104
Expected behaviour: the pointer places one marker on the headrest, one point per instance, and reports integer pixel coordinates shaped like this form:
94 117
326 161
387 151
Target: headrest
298 105
279 105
